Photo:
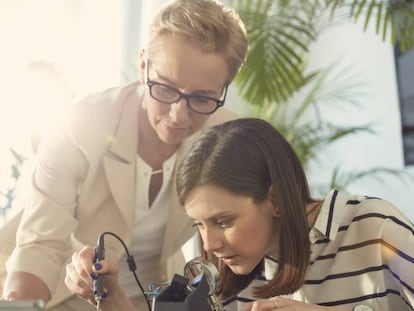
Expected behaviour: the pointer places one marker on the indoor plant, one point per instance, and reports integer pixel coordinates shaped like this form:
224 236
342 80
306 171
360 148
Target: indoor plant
280 33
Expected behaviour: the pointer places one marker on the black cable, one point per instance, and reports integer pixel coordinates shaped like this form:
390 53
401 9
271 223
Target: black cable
99 255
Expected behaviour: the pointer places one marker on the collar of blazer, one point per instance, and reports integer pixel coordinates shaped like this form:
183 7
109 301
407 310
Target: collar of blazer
121 161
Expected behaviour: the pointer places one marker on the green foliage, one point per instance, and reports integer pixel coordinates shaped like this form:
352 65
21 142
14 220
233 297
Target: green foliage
7 195
393 18
301 124
280 33
341 180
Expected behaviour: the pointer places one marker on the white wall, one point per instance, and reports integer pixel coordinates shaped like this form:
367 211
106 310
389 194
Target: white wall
361 58
347 46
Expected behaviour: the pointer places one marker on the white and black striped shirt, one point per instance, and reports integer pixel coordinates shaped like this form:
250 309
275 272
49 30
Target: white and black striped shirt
362 253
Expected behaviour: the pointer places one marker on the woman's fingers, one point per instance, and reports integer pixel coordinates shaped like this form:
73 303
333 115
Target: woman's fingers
76 284
82 271
79 273
262 305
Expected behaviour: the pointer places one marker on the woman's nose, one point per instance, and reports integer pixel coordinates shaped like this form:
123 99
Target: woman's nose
179 111
212 240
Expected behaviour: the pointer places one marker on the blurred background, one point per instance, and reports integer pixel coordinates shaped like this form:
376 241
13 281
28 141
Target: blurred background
336 77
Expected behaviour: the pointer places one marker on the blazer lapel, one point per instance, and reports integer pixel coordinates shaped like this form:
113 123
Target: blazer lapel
120 162
179 227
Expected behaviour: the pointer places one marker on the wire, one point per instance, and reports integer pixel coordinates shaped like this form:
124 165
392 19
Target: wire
130 261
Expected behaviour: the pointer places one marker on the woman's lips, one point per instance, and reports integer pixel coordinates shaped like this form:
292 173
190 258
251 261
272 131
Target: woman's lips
228 260
176 130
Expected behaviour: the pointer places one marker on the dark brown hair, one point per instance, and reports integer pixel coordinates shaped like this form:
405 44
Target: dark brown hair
247 156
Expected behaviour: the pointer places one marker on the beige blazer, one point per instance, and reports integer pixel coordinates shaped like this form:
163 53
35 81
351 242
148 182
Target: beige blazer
83 184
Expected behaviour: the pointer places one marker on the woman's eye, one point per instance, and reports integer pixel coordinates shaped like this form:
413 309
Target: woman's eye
225 223
166 90
199 100
197 225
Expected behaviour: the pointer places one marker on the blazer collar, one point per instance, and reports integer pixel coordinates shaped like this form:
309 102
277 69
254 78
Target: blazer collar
179 228
120 162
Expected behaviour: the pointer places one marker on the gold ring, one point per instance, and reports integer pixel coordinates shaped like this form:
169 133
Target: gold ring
273 300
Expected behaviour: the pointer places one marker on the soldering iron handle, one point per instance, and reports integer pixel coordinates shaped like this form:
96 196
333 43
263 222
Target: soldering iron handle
98 282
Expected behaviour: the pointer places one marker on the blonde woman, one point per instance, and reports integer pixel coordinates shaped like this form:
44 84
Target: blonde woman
111 166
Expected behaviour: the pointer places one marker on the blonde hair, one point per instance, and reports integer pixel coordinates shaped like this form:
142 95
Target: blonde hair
208 24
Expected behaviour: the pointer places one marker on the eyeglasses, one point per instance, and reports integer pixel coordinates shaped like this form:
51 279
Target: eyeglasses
167 94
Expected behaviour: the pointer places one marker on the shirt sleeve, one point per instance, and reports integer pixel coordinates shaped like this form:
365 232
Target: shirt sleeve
49 202
398 256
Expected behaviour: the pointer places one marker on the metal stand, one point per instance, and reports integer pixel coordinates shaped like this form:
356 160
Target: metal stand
178 297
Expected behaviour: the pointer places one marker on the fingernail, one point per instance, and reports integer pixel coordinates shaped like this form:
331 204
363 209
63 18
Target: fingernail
94 275
97 266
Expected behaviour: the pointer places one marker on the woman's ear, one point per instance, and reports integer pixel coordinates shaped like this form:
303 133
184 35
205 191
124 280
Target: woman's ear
275 212
272 200
142 66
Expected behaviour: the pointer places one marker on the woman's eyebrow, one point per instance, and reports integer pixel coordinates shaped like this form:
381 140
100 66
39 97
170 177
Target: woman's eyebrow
220 215
166 80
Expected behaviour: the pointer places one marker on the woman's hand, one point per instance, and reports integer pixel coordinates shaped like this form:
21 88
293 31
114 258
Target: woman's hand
280 303
81 272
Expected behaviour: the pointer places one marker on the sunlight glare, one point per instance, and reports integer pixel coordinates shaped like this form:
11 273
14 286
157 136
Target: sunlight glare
55 52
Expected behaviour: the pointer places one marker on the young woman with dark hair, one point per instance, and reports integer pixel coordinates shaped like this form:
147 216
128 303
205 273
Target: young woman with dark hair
274 245
248 196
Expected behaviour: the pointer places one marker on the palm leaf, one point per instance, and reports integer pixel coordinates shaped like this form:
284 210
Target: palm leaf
294 119
279 36
309 140
280 32
394 16
342 180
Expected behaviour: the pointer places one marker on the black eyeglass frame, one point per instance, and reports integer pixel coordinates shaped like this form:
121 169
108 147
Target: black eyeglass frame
151 83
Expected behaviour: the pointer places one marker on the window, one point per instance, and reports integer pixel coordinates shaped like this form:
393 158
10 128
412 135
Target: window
53 52
404 63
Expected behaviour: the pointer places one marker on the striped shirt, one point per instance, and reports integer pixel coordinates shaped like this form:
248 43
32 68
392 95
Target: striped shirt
362 252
